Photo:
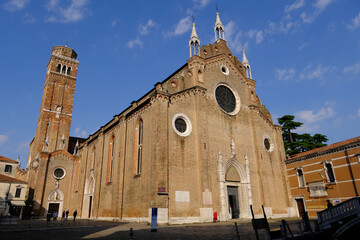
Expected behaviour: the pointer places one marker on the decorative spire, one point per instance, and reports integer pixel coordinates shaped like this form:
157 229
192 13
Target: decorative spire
246 64
219 28
194 42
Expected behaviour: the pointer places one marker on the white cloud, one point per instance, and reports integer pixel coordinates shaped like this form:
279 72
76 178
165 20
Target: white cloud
296 5
73 13
309 116
15 5
144 29
259 37
315 72
183 26
302 46
233 37
79 132
3 139
308 18
285 74
352 69
312 120
135 43
322 4
199 4
319 7
28 19
355 22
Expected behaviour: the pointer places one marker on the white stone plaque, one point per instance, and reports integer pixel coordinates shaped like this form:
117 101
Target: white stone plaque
182 196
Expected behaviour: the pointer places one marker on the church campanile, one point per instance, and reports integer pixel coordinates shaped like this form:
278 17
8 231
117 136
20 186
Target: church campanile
53 128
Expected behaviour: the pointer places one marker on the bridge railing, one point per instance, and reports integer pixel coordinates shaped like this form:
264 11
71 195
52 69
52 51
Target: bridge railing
339 212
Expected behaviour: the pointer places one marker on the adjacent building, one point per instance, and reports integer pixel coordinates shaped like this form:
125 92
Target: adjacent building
200 142
12 190
327 173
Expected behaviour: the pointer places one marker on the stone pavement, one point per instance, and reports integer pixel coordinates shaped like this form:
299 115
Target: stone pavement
91 229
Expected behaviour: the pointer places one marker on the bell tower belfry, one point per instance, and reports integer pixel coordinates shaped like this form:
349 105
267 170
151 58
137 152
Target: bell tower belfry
53 127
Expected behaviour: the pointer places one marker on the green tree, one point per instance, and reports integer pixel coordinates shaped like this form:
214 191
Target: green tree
295 143
288 124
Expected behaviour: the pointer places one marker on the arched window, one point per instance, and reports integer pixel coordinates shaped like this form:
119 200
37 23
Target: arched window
63 69
301 177
59 68
68 71
110 159
330 172
139 147
92 158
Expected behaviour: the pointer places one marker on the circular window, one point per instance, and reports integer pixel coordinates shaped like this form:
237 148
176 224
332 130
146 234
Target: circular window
182 125
224 70
269 146
227 99
59 173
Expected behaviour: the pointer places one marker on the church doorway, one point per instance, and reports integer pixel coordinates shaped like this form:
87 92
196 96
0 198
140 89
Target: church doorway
233 201
88 197
90 204
53 207
55 201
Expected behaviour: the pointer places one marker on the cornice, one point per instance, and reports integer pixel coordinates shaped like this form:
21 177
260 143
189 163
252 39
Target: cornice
323 153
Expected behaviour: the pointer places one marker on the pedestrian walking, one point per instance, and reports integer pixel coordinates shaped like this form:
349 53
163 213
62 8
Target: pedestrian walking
66 214
63 216
74 214
48 217
55 215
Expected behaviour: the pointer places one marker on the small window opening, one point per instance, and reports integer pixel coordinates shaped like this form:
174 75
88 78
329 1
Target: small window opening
68 71
18 192
59 68
8 168
63 69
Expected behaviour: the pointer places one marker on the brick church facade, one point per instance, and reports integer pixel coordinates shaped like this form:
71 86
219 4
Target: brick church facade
199 142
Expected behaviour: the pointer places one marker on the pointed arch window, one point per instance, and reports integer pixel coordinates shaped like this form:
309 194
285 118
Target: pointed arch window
110 159
63 69
330 172
92 158
68 71
301 177
139 147
58 68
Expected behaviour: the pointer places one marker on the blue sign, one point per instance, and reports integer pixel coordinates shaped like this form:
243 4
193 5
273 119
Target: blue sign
154 212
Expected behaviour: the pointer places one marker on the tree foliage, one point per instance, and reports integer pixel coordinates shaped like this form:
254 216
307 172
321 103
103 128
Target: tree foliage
296 143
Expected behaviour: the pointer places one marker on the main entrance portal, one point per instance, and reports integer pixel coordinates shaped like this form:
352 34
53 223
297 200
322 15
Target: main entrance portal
233 201
53 207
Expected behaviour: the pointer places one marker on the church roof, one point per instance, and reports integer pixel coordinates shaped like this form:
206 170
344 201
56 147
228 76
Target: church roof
5 159
323 150
4 178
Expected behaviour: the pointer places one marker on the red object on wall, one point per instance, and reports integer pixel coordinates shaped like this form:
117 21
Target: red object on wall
215 216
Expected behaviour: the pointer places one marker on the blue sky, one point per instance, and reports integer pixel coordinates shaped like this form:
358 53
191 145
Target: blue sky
304 57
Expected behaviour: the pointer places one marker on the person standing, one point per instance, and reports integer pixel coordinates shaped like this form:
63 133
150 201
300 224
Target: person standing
62 215
66 214
74 214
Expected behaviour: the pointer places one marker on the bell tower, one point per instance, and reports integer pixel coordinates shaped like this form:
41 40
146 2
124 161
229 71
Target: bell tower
53 127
